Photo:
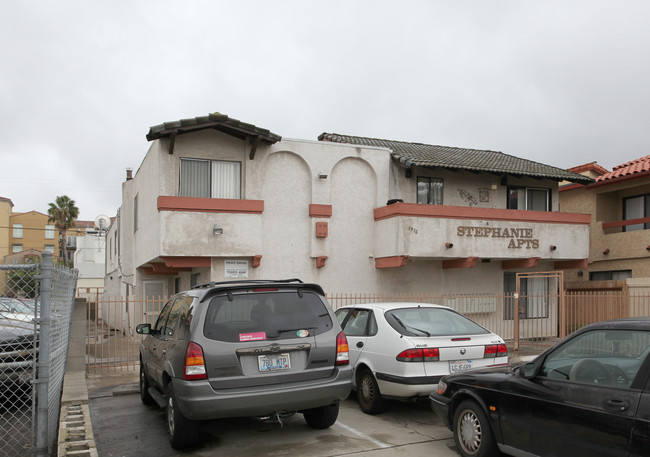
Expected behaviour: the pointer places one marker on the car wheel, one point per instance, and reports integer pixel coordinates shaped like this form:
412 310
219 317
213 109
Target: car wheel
322 417
472 432
144 387
368 394
182 431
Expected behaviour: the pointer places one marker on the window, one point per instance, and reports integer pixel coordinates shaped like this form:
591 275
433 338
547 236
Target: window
49 248
430 191
533 296
72 241
636 208
609 275
135 213
194 279
360 323
607 357
17 248
529 198
49 232
210 179
18 231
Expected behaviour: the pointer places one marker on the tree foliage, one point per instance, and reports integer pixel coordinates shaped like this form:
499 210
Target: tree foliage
63 212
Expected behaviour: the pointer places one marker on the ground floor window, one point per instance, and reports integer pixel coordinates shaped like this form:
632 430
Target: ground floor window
610 275
533 296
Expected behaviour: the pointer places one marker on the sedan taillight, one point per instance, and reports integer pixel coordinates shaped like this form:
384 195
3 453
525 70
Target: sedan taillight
342 350
194 363
495 350
419 355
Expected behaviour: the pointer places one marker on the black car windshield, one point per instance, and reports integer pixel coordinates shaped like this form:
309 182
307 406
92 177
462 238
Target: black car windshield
425 321
266 316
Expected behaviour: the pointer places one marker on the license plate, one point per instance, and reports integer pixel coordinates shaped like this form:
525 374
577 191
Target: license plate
460 366
274 362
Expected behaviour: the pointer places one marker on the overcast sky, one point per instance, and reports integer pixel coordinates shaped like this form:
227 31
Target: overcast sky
559 82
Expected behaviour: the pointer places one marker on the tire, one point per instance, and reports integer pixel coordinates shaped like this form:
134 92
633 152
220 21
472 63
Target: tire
322 417
182 432
368 394
472 432
144 387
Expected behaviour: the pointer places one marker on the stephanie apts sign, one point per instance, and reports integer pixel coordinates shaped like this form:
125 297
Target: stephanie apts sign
516 238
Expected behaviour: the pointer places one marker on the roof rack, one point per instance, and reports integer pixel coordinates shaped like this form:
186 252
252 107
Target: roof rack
208 285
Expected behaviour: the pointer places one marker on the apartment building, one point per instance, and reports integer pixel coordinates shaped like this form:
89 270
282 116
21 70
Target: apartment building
217 199
619 248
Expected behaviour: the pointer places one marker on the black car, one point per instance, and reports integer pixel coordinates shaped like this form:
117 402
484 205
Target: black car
589 395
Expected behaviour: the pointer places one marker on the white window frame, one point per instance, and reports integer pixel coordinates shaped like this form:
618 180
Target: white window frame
219 179
49 232
524 200
18 231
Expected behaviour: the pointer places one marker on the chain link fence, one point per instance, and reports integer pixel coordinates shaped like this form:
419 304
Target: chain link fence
36 302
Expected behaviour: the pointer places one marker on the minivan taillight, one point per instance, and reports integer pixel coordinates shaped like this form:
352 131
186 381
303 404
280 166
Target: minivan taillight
194 363
419 355
342 350
495 350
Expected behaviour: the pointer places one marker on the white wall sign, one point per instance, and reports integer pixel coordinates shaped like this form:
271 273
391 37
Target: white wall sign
237 269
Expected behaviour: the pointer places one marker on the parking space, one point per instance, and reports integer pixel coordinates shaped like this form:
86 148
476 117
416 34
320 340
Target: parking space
124 427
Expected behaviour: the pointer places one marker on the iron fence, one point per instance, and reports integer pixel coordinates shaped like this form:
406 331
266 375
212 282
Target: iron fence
543 318
36 303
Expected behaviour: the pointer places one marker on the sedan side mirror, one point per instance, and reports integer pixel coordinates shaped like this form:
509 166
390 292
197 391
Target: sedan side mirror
143 329
528 370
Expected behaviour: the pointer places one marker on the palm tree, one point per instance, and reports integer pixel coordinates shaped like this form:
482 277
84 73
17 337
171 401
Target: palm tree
63 212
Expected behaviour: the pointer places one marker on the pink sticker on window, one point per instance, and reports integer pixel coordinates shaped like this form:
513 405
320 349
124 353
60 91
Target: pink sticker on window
256 336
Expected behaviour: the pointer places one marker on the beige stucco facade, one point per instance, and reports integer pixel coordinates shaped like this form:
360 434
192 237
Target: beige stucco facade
611 248
318 211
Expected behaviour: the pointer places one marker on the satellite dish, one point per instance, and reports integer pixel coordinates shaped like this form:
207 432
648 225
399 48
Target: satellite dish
102 222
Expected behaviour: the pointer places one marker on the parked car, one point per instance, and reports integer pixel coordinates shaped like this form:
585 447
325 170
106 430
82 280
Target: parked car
15 309
17 351
402 350
588 395
244 348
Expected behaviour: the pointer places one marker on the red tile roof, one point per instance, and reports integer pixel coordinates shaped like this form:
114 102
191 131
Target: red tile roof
634 167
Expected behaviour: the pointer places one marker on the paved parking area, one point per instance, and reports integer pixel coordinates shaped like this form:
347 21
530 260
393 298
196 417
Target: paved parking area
124 427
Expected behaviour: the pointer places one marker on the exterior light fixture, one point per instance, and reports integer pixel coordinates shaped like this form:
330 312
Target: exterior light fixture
322 175
216 230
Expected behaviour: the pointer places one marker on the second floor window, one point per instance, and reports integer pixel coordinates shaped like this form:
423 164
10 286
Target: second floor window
529 198
430 191
49 232
635 208
18 231
210 179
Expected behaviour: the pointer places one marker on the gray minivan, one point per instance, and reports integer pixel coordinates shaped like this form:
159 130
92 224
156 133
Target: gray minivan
244 348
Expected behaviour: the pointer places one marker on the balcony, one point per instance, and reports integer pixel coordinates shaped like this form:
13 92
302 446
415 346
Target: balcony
460 235
210 227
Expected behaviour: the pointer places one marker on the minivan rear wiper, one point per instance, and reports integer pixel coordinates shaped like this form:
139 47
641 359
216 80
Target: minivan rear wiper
285 330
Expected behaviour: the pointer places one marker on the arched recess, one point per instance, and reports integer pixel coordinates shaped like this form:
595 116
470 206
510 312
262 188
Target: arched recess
286 229
353 196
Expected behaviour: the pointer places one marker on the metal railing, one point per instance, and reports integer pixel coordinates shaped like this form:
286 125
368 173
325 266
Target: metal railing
113 344
36 302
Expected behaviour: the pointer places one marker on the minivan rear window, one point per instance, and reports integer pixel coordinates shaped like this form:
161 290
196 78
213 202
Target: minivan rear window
266 316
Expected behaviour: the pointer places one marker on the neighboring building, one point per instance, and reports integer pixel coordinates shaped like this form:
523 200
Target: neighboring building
89 258
215 198
619 202
31 231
